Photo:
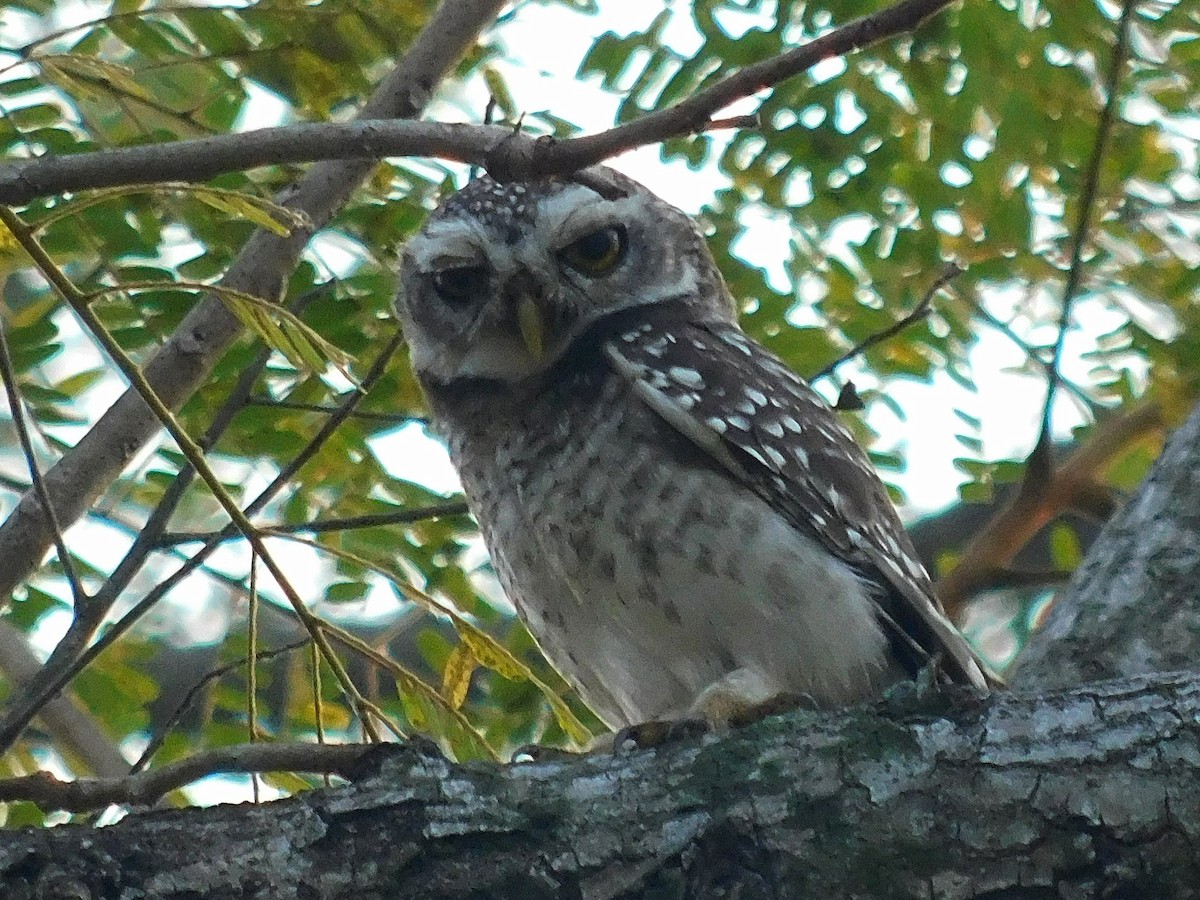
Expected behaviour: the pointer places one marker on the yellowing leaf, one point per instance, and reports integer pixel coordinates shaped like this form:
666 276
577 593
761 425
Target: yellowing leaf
274 218
487 651
490 653
8 241
279 329
91 70
456 675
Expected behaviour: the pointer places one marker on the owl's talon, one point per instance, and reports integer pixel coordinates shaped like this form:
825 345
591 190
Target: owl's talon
922 693
784 702
534 753
656 733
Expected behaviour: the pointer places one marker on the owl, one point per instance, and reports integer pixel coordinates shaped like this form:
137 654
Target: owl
684 525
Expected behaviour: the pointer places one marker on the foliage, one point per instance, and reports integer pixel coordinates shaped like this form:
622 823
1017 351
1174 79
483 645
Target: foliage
967 140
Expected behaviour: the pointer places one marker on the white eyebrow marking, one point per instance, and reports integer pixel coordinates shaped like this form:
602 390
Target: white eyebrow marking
577 210
457 241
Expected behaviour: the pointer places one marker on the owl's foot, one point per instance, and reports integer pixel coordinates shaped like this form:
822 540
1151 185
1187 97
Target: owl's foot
657 733
929 691
533 753
742 697
739 698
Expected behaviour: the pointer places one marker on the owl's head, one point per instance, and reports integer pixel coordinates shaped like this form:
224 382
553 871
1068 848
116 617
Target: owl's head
503 278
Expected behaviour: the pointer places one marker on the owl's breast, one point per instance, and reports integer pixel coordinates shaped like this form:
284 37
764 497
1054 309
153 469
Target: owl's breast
643 571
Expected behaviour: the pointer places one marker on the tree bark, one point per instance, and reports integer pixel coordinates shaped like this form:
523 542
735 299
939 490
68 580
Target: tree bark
1133 606
1086 793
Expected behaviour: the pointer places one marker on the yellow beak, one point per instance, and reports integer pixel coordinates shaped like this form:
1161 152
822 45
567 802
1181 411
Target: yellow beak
532 326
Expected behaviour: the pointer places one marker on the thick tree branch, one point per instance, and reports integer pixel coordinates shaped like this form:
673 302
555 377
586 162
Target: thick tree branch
498 149
1094 792
199 159
1071 486
1133 605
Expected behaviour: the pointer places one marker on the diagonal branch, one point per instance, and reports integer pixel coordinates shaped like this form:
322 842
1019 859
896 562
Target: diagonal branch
16 408
262 269
918 312
72 653
990 552
187 446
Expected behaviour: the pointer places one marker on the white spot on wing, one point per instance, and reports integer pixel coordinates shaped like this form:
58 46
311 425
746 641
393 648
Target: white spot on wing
755 454
687 377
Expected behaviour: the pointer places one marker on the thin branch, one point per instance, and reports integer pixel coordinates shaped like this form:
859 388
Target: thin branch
324 526
693 114
180 366
16 719
1086 404
16 409
76 651
918 312
498 149
187 446
1028 578
198 688
1039 459
144 788
383 418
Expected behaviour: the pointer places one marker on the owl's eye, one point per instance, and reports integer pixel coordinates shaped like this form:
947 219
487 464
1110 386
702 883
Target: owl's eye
596 253
461 284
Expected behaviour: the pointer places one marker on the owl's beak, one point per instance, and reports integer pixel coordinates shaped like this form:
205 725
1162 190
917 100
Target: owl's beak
531 325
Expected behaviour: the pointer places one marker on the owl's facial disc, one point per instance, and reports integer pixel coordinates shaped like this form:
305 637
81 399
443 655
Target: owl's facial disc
504 278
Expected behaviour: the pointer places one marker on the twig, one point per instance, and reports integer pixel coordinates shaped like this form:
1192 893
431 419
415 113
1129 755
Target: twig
494 147
194 692
1086 404
160 590
144 788
1028 578
184 441
324 526
76 650
1039 462
182 364
383 418
920 311
16 409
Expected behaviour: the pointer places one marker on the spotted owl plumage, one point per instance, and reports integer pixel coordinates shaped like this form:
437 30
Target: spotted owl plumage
677 516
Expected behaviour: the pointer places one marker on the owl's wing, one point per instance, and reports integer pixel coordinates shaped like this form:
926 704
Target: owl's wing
772 432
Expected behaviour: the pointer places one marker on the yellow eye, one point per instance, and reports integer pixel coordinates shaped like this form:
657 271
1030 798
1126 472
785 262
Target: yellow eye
596 253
